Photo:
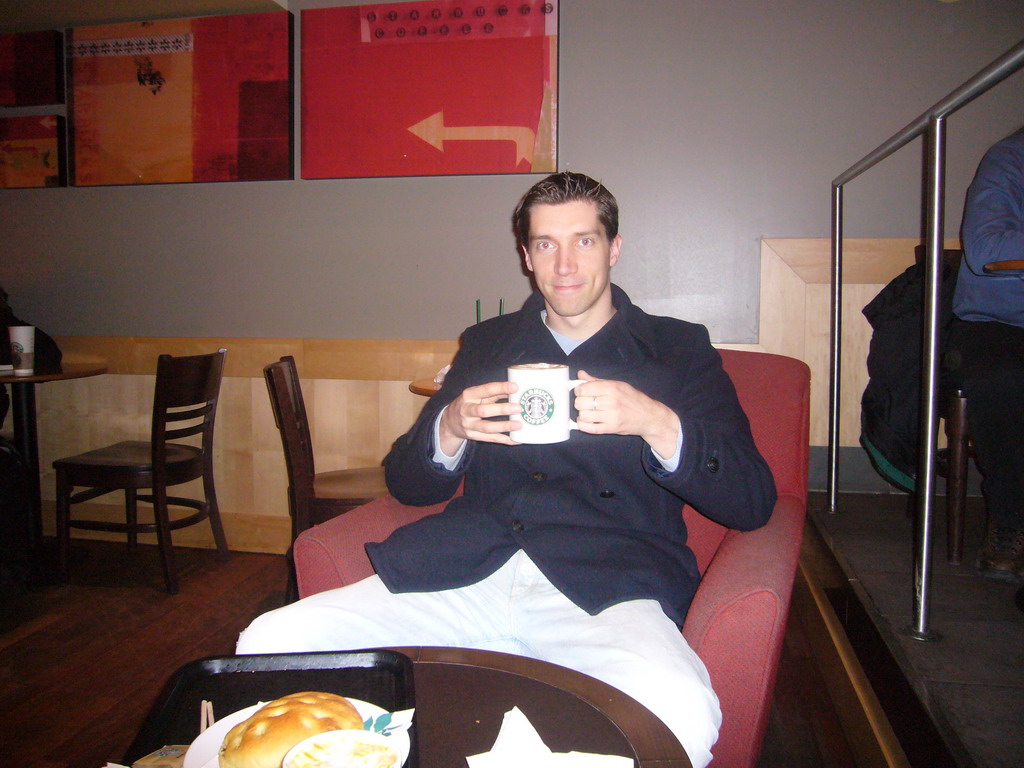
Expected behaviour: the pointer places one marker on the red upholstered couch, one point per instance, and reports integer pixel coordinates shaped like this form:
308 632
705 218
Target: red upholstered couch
738 616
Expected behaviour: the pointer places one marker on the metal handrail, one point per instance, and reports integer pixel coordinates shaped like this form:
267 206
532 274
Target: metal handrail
931 123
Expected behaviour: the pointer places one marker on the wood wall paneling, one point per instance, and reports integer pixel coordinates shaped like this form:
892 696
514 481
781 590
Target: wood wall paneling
795 312
356 413
357 392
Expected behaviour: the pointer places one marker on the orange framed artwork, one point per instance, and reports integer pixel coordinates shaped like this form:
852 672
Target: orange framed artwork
182 100
432 87
31 151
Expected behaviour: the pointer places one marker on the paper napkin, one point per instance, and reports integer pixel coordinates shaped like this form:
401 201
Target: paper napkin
519 744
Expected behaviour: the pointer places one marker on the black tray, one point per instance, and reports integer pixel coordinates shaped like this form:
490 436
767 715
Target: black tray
231 683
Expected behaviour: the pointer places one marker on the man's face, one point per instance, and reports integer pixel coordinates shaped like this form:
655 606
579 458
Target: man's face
571 259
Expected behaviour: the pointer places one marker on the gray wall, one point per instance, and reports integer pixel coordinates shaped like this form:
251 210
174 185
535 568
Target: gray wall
715 122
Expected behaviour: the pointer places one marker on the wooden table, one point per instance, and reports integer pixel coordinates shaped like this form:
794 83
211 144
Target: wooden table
425 387
460 697
23 399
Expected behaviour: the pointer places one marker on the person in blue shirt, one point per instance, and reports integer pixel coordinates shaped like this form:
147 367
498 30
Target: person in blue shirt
985 349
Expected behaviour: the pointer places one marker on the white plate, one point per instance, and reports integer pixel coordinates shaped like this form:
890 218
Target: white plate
202 753
333 747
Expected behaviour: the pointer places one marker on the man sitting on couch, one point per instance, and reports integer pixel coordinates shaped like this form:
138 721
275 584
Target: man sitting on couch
574 552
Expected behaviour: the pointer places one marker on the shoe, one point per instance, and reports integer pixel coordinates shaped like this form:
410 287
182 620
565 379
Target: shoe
1002 555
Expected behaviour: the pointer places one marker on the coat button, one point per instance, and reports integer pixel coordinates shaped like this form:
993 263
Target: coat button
540 477
606 494
517 526
712 464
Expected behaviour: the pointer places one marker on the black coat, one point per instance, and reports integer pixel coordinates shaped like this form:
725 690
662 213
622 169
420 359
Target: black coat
890 412
598 514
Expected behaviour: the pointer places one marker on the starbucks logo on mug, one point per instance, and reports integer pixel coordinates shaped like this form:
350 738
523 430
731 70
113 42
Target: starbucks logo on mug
542 394
538 406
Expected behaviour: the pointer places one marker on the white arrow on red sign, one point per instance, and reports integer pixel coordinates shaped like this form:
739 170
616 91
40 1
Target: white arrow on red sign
436 133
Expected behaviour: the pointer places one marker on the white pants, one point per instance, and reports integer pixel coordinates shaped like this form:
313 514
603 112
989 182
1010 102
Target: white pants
632 646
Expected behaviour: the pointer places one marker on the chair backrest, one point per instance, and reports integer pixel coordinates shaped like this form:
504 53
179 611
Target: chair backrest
951 257
774 392
290 416
185 402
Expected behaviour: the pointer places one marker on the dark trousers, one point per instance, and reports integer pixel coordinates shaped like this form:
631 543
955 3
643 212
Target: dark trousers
986 361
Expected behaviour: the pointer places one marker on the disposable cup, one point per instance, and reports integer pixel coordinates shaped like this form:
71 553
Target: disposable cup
23 349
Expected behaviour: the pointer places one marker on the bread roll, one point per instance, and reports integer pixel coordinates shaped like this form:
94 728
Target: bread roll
264 739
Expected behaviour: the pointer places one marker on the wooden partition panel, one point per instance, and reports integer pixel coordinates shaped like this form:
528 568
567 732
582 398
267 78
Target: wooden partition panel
357 389
795 294
357 397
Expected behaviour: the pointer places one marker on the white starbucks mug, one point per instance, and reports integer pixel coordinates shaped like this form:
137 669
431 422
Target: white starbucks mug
543 397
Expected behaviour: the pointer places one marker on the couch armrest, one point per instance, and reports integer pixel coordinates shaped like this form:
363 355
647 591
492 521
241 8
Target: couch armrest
333 553
737 620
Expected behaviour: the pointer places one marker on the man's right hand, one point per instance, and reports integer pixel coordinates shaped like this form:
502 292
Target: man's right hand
468 417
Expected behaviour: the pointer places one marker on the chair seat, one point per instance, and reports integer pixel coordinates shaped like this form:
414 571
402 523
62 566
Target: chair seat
130 463
357 485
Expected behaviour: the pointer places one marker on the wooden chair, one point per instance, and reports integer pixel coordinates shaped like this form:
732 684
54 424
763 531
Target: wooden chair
952 465
184 404
1007 266
952 404
313 497
952 461
953 409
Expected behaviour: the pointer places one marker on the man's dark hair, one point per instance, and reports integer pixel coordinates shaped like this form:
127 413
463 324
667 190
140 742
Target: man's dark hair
566 187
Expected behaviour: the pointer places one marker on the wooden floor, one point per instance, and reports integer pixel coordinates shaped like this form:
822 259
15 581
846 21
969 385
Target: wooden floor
81 663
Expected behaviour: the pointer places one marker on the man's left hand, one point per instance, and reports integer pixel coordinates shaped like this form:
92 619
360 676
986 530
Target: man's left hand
608 407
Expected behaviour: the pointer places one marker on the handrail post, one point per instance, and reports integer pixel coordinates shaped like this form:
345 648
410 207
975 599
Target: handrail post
928 433
835 334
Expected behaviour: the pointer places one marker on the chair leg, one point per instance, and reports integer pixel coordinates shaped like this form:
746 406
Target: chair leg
63 523
213 511
131 514
291 591
163 538
957 436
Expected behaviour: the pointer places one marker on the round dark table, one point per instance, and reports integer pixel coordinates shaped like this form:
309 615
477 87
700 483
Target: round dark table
462 696
425 387
23 401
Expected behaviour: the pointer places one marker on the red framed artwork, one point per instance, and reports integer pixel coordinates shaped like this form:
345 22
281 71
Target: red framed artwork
182 100
31 151
429 88
31 68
